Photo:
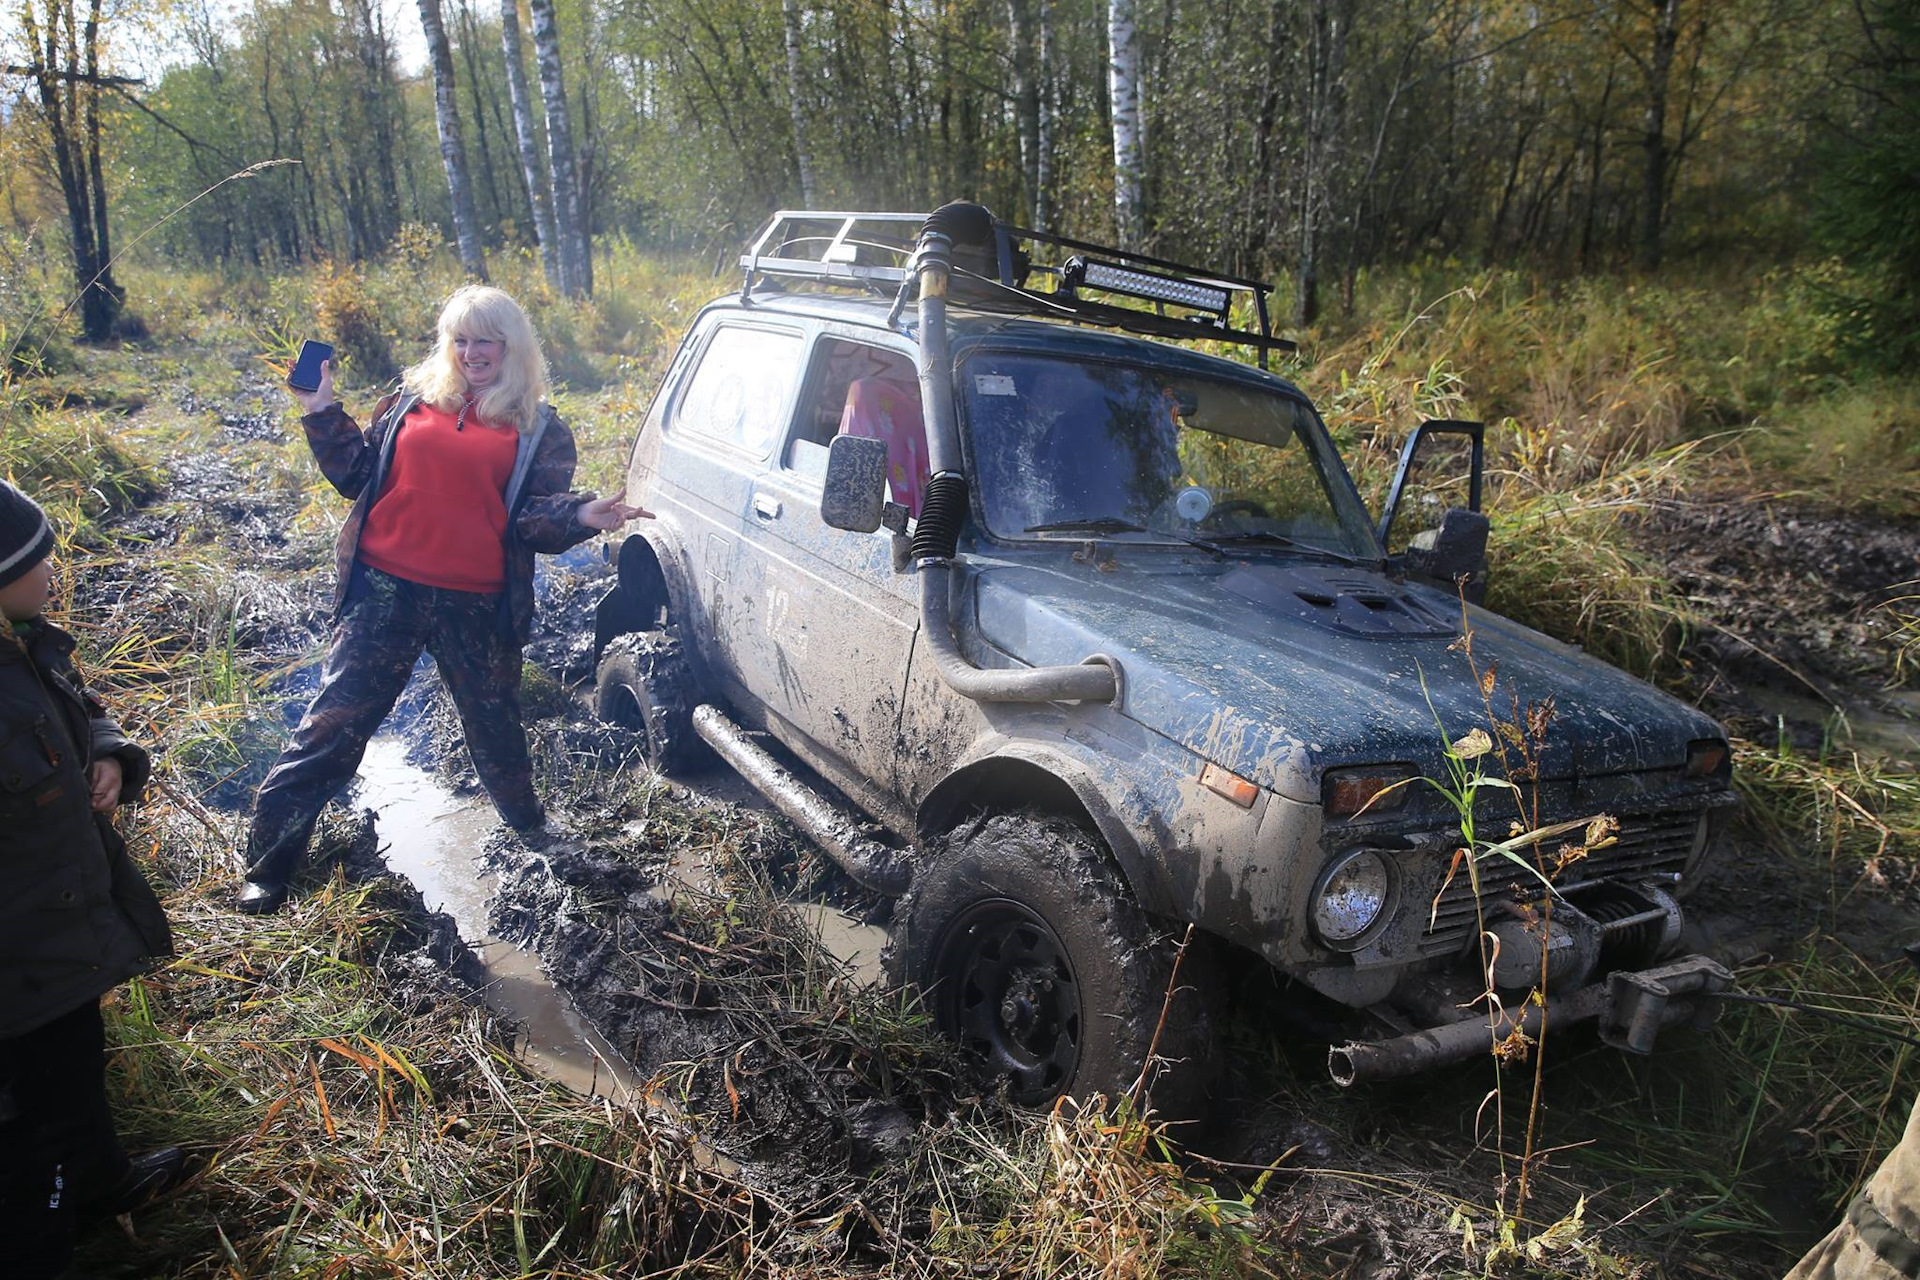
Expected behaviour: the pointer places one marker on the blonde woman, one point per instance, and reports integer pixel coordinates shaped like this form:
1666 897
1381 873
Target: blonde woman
462 477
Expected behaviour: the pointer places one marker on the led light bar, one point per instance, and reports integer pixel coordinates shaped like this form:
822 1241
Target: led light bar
1084 273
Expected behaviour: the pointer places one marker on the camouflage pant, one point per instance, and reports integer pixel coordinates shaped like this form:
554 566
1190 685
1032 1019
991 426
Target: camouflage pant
387 622
1879 1238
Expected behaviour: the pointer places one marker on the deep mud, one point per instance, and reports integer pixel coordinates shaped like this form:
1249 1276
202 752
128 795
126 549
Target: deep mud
426 961
1797 602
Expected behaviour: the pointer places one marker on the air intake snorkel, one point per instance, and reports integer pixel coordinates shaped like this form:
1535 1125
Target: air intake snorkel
936 536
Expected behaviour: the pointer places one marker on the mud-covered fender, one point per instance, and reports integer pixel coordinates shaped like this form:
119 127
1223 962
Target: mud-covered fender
651 572
1060 776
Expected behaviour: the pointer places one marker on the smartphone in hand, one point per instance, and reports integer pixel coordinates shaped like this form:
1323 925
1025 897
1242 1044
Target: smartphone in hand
305 374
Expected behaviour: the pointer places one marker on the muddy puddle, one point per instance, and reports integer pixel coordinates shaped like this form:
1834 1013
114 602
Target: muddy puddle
437 839
1887 727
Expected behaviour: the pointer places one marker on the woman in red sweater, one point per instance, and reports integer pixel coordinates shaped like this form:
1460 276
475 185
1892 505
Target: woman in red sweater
463 476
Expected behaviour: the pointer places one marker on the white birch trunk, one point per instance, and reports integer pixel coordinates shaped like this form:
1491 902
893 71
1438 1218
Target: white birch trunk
1123 85
796 79
1026 101
453 151
1043 131
539 190
572 236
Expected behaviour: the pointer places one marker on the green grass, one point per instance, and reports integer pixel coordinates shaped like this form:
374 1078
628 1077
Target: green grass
1857 447
80 466
344 1124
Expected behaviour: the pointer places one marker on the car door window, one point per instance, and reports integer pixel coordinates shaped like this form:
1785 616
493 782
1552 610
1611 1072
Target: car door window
740 392
864 391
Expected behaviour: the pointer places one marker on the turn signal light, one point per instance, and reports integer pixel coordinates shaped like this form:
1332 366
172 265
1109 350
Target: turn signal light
1707 758
1346 792
1229 786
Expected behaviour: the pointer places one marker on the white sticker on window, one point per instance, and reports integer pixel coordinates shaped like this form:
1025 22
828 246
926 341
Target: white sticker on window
994 384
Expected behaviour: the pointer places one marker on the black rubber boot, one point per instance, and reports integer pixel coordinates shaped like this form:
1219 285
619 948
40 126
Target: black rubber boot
261 897
147 1177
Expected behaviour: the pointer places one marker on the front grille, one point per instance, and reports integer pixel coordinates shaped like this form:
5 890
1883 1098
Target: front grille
1649 845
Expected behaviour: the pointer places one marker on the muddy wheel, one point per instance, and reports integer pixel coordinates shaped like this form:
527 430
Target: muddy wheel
646 683
1034 957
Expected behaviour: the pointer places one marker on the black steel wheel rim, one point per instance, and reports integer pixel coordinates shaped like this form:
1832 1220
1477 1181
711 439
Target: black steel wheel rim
636 712
627 707
1008 996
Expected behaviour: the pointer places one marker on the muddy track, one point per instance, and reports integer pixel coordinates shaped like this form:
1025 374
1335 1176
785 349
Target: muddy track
1795 598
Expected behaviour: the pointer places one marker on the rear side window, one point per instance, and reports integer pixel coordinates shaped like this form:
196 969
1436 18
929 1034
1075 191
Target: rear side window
740 392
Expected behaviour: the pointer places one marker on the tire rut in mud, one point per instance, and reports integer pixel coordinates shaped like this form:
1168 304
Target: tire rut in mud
719 995
1793 594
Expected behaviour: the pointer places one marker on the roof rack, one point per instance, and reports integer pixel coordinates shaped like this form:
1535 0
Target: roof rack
1087 283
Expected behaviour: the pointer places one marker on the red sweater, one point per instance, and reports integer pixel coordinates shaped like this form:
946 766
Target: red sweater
441 517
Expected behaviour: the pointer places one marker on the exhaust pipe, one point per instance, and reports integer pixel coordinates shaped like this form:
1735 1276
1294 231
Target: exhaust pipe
936 535
870 864
1631 1007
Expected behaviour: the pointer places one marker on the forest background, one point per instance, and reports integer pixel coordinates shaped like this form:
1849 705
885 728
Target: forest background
1307 140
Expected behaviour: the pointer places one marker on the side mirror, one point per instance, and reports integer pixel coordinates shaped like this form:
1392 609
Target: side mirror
854 494
1475 431
1455 550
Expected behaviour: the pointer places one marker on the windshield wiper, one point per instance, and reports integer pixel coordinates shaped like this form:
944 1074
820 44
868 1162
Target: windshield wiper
1093 524
1282 540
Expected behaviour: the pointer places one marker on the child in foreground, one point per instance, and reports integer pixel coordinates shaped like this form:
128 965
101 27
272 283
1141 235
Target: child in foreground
76 920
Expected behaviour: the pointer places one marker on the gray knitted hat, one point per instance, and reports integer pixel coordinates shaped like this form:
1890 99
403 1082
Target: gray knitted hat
26 538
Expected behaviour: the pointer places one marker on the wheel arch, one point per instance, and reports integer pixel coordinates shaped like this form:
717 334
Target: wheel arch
1039 778
649 579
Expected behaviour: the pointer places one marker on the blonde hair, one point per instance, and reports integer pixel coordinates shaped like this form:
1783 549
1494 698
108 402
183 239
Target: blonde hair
519 385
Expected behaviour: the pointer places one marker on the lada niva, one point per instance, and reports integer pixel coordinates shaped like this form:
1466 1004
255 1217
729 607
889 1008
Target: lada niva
1075 640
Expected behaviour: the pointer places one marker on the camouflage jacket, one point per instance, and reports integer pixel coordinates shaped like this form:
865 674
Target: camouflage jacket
541 510
76 917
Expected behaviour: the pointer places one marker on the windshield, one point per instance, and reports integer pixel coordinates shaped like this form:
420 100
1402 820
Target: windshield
1064 447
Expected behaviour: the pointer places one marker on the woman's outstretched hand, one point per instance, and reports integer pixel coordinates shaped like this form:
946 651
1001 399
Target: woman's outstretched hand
321 396
610 513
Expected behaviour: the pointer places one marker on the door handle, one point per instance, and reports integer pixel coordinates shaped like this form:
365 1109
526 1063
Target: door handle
766 508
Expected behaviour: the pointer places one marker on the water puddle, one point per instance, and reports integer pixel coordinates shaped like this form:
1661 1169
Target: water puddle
434 838
855 943
1890 730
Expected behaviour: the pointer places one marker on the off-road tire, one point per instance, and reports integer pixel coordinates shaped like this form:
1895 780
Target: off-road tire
1032 954
645 682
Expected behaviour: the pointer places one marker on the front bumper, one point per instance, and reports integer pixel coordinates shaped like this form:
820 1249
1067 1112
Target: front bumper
1630 1006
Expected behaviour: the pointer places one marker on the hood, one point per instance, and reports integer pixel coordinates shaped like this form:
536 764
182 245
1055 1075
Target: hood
1281 669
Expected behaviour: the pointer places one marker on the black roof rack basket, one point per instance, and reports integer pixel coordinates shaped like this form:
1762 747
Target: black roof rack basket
1087 283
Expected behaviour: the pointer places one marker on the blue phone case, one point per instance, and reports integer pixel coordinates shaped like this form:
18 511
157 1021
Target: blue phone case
305 375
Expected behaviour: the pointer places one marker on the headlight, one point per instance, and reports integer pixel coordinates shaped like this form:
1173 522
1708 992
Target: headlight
1352 896
1373 788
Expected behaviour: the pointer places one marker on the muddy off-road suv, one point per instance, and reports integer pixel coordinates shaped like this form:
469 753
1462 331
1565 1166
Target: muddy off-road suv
1095 639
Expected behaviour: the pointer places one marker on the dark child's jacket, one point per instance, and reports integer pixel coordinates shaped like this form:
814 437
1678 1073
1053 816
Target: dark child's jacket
76 916
541 511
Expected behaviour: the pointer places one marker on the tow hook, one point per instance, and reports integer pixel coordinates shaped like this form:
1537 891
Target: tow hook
1637 1003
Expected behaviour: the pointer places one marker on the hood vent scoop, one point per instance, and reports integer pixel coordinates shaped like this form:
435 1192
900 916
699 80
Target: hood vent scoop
1339 600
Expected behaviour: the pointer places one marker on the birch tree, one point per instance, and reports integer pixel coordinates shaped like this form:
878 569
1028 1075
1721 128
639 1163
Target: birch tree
796 81
453 150
1043 126
539 190
576 267
1123 87
1026 100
